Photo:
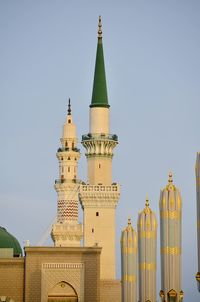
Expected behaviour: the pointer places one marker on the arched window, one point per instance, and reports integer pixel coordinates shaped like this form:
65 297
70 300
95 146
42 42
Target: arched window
62 291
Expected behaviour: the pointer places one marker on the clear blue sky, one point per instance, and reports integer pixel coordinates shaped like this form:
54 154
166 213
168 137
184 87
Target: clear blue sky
152 58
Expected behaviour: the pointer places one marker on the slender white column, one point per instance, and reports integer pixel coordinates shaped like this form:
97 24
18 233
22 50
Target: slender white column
129 264
170 239
147 245
100 196
67 231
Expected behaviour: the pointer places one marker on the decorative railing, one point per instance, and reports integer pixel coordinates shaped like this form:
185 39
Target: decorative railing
61 181
100 188
68 149
100 136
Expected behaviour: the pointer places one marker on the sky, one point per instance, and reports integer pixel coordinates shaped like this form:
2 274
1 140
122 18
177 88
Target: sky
47 54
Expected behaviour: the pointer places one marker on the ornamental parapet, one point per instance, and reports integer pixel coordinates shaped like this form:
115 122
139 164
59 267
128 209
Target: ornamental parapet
106 196
66 149
99 144
62 232
74 180
70 228
100 188
99 136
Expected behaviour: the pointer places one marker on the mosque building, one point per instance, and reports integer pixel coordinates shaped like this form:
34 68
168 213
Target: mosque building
80 267
67 271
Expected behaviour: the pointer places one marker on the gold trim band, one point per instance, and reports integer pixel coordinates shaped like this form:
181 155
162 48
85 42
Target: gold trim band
148 266
171 250
170 214
129 250
147 234
129 278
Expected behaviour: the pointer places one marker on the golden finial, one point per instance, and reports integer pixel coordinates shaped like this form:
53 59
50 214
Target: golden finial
147 201
129 220
170 179
100 29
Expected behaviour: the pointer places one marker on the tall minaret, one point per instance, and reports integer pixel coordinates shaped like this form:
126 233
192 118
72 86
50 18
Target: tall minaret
170 239
197 170
129 251
100 197
147 245
67 231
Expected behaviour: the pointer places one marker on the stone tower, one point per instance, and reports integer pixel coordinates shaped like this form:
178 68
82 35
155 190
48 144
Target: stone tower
147 245
67 231
100 196
129 264
170 240
197 170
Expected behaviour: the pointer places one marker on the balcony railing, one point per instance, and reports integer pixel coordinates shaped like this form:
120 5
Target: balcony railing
100 188
100 136
76 181
68 149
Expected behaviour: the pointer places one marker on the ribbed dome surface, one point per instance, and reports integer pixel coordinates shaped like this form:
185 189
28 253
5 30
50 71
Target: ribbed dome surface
9 241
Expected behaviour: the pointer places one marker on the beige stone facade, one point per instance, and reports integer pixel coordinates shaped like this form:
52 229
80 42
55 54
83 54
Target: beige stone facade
48 273
110 290
12 279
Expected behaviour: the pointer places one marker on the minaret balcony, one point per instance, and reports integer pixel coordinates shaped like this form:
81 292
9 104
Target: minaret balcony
99 144
100 188
99 196
74 180
99 136
68 149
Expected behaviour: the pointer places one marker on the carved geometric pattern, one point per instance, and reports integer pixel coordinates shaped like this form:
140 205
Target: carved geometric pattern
99 196
99 146
67 210
53 273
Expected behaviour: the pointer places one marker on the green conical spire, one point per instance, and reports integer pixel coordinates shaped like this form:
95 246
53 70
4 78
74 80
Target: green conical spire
99 93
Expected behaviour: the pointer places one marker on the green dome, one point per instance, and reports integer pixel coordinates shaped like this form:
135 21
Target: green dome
9 241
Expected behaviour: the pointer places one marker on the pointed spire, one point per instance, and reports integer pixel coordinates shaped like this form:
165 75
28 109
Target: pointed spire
100 29
129 220
170 179
69 107
99 93
147 201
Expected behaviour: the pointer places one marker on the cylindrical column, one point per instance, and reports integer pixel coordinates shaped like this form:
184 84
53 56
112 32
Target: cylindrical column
129 264
170 239
67 231
147 240
197 170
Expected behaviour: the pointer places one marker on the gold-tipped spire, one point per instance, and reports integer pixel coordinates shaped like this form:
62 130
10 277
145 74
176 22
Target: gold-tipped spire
69 107
100 29
147 201
170 179
129 220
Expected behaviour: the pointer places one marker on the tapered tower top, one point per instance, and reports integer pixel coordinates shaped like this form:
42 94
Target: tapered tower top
99 93
170 185
69 107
